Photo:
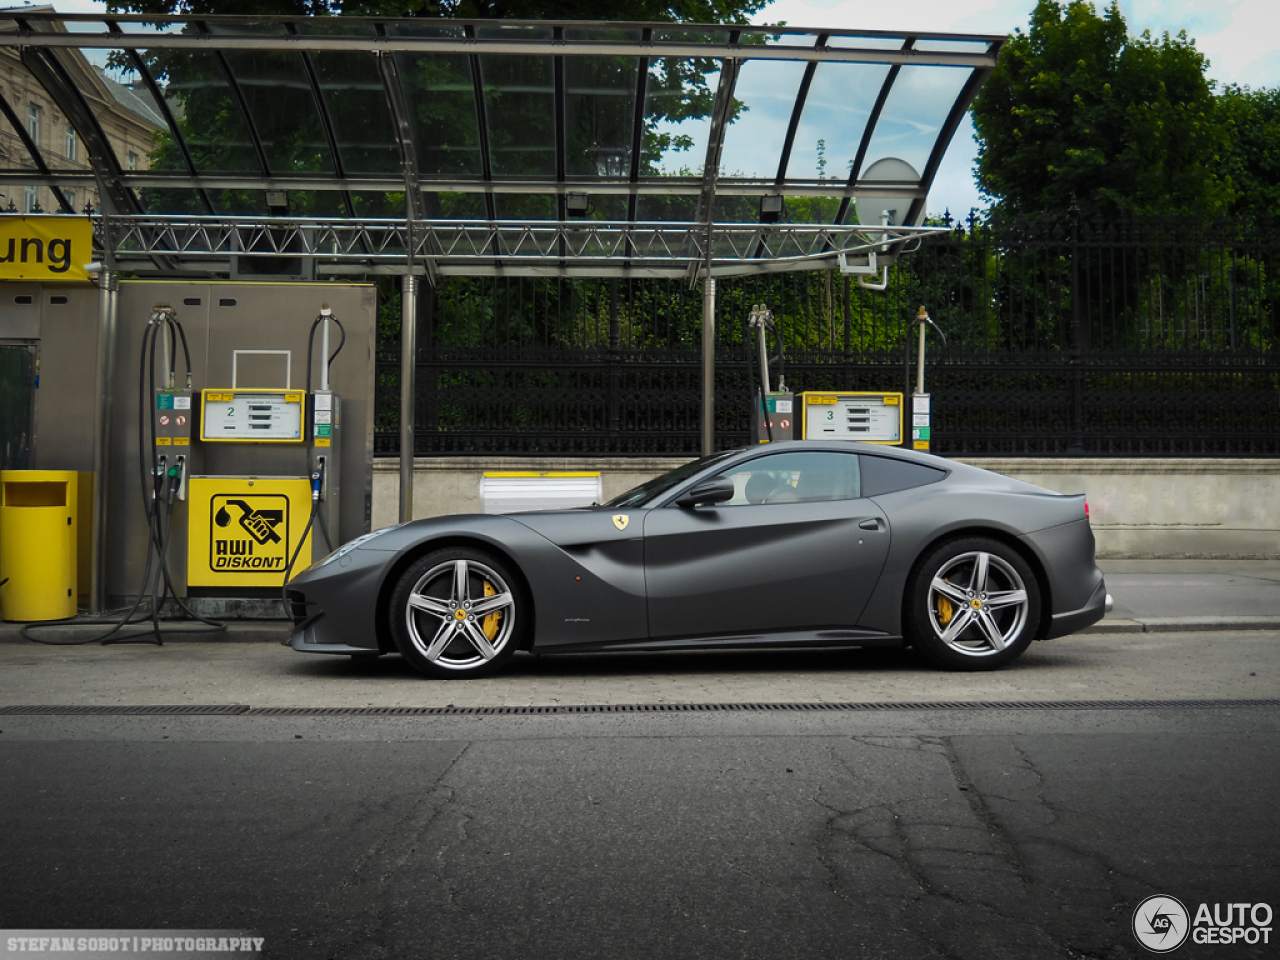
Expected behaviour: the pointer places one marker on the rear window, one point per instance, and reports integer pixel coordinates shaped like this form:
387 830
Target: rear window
888 475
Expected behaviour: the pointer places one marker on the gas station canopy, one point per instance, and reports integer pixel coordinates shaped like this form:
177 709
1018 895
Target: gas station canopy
483 147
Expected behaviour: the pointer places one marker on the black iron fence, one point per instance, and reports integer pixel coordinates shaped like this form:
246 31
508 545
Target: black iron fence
1134 338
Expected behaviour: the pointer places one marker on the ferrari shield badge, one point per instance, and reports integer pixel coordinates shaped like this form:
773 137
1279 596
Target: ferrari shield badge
620 520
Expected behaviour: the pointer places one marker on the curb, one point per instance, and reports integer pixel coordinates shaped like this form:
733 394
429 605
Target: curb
237 631
1182 625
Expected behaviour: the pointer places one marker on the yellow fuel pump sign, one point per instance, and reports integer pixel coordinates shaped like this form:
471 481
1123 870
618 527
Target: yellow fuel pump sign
860 415
243 530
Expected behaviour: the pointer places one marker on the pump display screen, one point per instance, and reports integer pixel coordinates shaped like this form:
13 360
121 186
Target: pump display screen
870 417
252 415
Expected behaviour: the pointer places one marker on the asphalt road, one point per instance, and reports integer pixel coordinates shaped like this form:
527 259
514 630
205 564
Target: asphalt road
914 834
912 817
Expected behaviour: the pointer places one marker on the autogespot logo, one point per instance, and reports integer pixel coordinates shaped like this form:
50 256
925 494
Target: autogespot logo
1161 923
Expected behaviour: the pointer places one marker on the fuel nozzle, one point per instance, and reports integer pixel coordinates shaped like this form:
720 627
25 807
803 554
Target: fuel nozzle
158 474
317 481
174 475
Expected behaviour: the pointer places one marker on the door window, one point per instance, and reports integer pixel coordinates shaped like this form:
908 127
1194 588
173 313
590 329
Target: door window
795 478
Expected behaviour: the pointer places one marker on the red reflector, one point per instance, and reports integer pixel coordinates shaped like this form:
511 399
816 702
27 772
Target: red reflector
1086 509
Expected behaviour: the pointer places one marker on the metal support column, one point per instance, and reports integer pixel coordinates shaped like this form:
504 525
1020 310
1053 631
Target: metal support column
408 369
921 318
1076 363
708 366
108 309
615 364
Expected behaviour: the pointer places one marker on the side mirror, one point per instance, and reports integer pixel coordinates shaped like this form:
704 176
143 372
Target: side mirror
709 492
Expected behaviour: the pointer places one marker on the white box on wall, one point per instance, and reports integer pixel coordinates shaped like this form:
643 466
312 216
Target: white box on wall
517 491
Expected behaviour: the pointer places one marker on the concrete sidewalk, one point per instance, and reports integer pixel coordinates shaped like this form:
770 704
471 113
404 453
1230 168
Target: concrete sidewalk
1191 595
1151 596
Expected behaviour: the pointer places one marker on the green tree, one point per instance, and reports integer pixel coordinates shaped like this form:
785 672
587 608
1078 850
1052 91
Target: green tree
441 94
1078 108
1251 156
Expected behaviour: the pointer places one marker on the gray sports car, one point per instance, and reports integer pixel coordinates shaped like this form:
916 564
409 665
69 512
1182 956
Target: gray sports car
800 544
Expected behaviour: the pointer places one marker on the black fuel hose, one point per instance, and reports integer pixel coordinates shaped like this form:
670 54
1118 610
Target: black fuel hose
311 341
757 387
937 329
317 480
157 584
782 355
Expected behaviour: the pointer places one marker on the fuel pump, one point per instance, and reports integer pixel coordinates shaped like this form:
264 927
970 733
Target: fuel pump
269 494
171 409
772 417
920 412
815 415
326 422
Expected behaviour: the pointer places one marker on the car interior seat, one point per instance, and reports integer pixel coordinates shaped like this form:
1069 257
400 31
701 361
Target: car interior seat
760 486
816 485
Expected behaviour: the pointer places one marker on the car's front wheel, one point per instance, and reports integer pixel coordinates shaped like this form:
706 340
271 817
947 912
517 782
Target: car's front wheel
456 613
973 604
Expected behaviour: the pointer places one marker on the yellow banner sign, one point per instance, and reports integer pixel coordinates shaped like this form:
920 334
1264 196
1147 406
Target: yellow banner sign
45 248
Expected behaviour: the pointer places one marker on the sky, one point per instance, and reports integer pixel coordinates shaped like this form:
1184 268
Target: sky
1237 36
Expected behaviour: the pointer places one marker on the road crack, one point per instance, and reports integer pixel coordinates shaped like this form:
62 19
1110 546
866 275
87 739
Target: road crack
370 880
1004 844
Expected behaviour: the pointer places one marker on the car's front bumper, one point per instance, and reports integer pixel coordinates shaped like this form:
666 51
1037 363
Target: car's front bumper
333 605
309 639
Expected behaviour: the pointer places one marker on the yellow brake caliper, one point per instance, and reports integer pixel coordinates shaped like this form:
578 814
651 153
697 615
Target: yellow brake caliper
945 610
490 623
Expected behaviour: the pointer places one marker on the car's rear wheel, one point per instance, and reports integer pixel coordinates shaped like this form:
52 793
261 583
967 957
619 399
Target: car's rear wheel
456 613
973 604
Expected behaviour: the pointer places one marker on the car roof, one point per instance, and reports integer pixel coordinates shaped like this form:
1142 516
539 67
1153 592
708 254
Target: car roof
841 446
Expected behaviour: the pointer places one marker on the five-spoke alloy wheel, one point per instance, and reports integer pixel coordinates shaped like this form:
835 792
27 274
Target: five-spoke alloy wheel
455 613
972 604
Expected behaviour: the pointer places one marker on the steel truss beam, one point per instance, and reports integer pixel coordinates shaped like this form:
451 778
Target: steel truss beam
466 247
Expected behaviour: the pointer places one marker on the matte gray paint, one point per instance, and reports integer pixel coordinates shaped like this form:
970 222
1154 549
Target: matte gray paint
787 573
608 603
1066 552
773 567
589 590
956 507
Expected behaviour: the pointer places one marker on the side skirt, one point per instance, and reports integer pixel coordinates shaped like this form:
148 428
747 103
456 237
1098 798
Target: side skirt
789 640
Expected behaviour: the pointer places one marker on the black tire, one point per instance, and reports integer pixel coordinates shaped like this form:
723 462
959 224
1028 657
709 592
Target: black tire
441 621
972 604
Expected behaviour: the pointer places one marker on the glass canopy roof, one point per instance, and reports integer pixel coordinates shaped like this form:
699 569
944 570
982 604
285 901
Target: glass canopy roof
344 121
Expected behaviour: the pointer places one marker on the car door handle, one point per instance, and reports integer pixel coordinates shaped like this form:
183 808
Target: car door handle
872 524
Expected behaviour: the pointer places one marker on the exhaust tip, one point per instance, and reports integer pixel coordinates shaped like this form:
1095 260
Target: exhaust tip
1106 608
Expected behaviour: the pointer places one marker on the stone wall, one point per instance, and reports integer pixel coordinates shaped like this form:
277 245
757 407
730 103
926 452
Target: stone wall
1139 507
1167 508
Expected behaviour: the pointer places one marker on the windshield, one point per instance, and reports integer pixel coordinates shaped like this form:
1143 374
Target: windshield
667 481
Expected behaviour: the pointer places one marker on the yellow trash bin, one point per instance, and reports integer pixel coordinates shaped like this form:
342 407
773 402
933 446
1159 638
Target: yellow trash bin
38 544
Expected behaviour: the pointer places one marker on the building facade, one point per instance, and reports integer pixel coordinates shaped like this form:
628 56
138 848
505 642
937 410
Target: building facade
128 118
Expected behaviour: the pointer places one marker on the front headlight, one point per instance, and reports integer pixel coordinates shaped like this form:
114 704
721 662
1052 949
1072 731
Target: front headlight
350 545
